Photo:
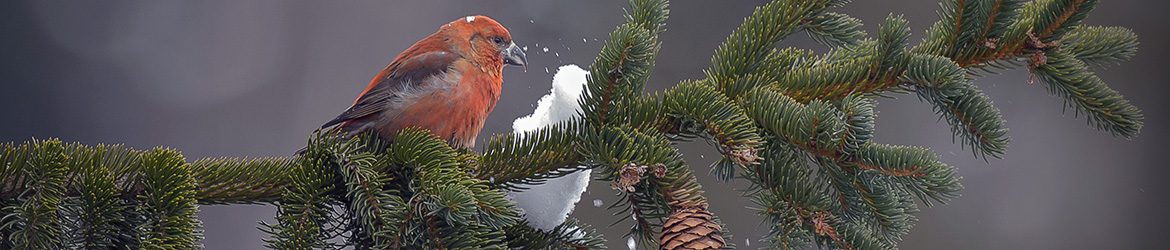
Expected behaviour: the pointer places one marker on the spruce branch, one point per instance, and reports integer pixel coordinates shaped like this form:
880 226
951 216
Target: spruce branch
530 158
834 29
970 113
796 208
974 32
750 48
100 213
304 213
717 118
450 209
169 195
1083 91
1100 46
372 207
817 127
859 121
653 180
619 73
650 15
1051 19
914 169
33 224
869 66
570 235
235 181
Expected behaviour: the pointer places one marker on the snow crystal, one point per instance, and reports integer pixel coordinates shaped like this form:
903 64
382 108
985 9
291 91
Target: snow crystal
558 54
630 243
546 70
597 203
747 242
525 48
547 205
531 21
584 40
470 18
545 49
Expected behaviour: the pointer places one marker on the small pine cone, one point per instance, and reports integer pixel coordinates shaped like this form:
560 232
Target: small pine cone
691 228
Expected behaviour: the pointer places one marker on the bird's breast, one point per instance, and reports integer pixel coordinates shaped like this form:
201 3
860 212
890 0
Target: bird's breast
453 106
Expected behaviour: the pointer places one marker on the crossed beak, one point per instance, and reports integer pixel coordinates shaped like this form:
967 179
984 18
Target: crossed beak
513 55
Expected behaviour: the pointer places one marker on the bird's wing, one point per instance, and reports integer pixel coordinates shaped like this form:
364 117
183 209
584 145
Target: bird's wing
400 75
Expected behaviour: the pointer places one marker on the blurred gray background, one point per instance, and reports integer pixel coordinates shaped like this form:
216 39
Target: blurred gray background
254 78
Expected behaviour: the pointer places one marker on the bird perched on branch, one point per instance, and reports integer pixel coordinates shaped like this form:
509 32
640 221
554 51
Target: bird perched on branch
447 83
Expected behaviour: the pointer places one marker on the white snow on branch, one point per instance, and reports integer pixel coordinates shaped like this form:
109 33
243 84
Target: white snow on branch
549 204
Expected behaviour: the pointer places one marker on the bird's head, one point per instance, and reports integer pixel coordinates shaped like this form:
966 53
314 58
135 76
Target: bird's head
487 41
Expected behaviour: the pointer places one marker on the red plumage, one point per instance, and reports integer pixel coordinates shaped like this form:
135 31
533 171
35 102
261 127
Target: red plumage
447 83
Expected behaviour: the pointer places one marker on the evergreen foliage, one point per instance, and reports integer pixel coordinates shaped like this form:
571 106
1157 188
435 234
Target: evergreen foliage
795 124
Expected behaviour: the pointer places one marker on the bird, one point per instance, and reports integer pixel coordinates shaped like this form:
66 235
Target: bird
447 83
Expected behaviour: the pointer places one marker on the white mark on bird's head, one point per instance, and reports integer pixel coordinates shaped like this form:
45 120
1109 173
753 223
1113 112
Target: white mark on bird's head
470 18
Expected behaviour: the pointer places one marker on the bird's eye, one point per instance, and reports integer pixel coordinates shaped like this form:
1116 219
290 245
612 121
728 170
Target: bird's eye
498 40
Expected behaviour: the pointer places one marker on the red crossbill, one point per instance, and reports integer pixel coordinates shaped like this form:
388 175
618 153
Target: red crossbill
447 83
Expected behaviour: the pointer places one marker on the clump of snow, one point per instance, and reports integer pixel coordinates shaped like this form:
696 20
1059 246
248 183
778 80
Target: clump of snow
560 103
597 203
470 18
549 204
545 49
630 243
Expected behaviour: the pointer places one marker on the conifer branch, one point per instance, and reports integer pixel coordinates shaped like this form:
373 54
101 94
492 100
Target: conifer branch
970 113
866 67
816 127
530 158
33 224
619 73
796 208
570 235
750 48
629 159
834 29
1050 19
304 212
698 106
234 180
1100 46
169 196
99 211
1105 108
650 15
372 207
